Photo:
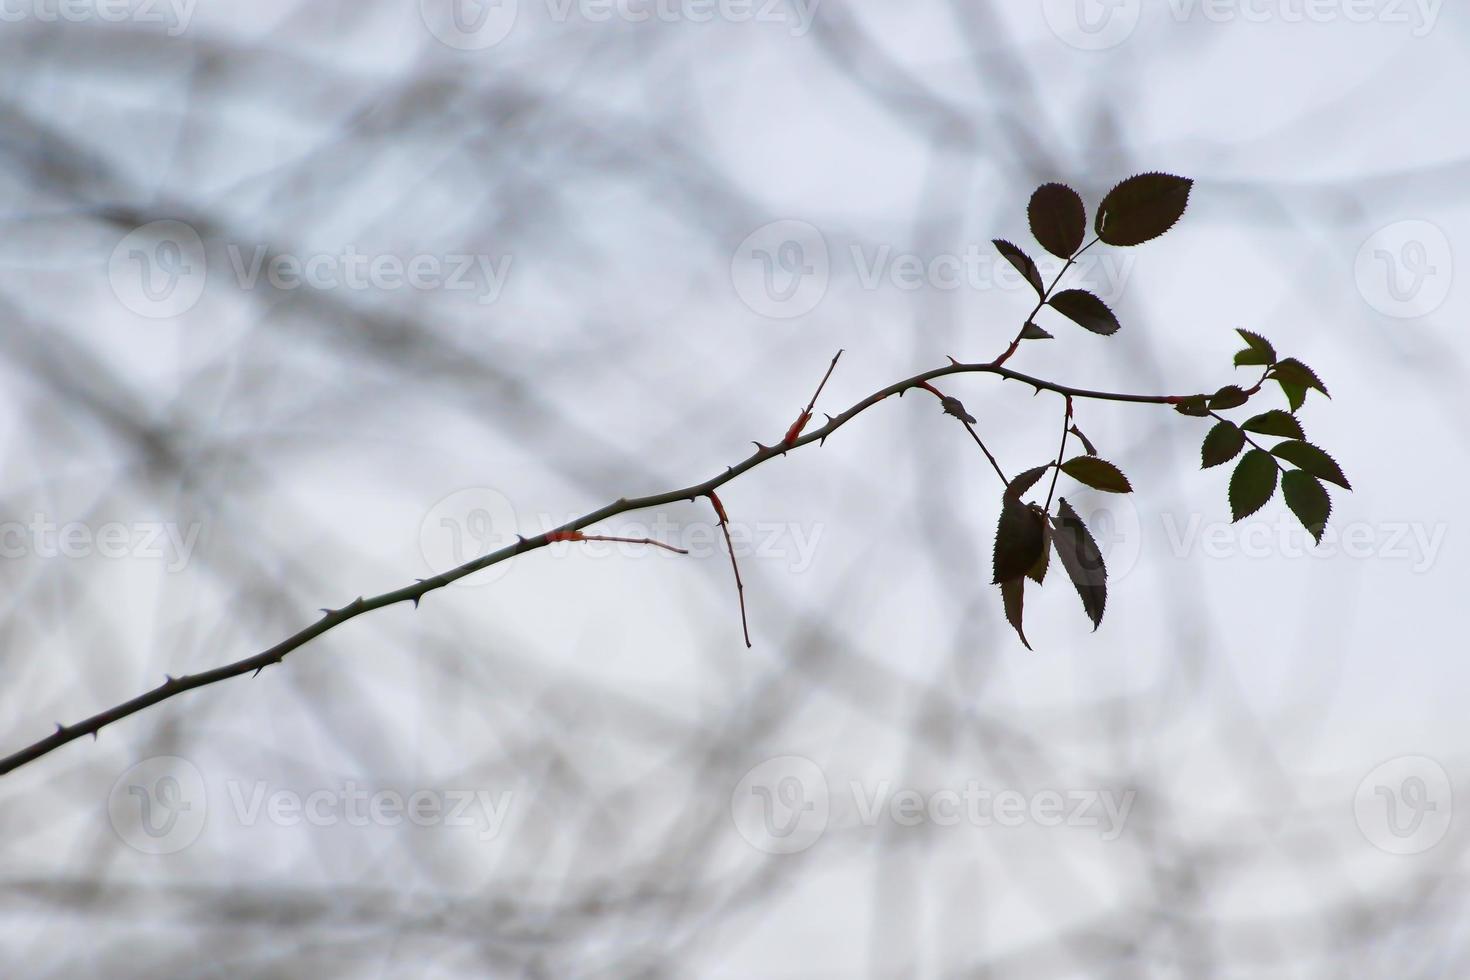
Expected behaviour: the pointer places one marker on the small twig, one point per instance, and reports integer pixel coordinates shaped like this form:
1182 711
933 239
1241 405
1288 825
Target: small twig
714 499
579 536
1061 451
953 406
806 416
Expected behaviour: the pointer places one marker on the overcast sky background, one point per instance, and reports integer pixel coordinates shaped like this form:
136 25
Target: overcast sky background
306 301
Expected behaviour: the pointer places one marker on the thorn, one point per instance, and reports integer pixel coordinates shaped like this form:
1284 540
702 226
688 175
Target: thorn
416 600
94 734
326 611
760 448
60 728
168 679
258 670
953 361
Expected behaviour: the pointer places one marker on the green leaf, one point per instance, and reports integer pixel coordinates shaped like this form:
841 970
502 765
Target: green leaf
1230 396
1296 395
1082 560
1097 473
1292 371
1194 405
1249 357
1275 423
1013 597
1142 208
1306 456
1083 308
1252 484
1058 219
1257 345
1025 481
1222 443
1023 264
1037 572
1308 500
1018 540
1032 332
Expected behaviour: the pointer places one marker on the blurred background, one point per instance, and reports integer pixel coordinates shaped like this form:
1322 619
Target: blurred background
306 301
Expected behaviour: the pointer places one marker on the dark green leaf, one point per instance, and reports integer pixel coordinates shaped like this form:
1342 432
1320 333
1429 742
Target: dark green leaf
1252 484
1086 309
1308 500
1012 595
1292 371
1142 208
1276 423
1023 264
1249 357
1194 405
1038 570
1296 395
1257 345
1086 442
1222 443
1081 558
1018 540
1025 481
1230 396
1058 219
1032 332
1097 473
1308 457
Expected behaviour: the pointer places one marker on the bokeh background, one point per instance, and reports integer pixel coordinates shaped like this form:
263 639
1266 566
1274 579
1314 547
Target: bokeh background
305 301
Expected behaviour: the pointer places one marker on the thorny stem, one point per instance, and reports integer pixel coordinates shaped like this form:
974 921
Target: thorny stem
332 618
